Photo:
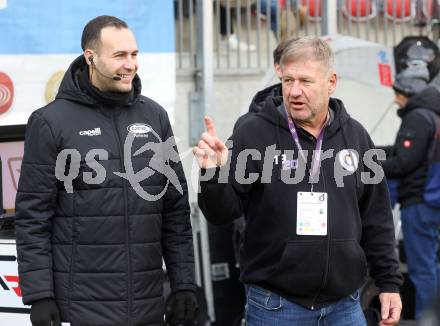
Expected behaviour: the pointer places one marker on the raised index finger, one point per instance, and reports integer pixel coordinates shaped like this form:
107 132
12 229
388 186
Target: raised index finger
210 128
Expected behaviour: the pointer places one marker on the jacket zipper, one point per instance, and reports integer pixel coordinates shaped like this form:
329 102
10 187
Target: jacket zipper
326 267
72 256
127 228
324 283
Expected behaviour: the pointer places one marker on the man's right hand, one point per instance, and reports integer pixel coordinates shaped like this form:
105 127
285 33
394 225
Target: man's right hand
210 152
45 312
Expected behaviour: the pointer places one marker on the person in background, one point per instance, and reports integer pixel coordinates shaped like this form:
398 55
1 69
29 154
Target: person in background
229 38
407 160
258 101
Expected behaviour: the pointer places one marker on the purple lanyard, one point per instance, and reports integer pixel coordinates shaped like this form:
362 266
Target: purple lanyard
317 153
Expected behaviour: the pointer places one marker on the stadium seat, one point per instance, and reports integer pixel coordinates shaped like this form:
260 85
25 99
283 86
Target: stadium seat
359 10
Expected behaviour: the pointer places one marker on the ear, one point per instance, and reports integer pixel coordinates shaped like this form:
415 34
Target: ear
278 71
333 80
88 53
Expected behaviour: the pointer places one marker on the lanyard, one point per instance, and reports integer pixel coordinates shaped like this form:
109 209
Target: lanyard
314 169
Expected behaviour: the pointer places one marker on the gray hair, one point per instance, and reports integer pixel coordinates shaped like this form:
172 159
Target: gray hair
309 48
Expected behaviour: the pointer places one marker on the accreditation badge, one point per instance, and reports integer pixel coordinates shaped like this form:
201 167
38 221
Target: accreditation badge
311 213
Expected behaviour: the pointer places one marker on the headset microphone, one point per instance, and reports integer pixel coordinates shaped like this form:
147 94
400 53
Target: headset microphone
116 77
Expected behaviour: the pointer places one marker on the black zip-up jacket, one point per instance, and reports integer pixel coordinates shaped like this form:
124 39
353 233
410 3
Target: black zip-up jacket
407 159
313 271
98 250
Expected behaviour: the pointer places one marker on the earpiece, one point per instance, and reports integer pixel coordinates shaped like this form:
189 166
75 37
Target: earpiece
115 77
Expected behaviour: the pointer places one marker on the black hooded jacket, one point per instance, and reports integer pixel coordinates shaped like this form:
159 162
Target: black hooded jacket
98 249
407 159
313 271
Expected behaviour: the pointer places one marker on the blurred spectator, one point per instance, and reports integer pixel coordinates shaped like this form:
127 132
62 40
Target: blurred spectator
259 99
408 161
228 37
269 8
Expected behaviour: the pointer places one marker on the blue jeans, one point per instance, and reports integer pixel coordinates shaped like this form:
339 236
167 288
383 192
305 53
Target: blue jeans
420 224
265 308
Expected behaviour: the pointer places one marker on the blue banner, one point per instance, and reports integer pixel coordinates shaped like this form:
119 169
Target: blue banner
55 27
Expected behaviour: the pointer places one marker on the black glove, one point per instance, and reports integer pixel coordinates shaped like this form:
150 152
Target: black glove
182 308
44 312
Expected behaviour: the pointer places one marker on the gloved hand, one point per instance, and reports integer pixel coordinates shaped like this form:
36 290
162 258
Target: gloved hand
44 312
182 308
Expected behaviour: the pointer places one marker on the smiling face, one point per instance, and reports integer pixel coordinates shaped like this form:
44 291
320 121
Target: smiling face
116 55
307 87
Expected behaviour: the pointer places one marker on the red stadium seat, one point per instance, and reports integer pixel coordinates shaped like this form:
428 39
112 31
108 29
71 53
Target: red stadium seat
312 12
282 4
359 10
428 8
400 10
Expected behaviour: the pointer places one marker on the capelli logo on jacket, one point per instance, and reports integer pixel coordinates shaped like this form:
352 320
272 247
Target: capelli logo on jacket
93 132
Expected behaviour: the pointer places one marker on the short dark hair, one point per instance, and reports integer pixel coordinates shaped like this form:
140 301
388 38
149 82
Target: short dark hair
278 52
91 35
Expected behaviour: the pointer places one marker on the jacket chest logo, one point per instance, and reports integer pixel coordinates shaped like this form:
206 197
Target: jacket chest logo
93 132
348 160
139 129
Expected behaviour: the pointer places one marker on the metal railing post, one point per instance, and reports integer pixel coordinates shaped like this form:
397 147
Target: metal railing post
329 21
200 105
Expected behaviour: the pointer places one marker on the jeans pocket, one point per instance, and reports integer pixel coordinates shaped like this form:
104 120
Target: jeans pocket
356 295
264 299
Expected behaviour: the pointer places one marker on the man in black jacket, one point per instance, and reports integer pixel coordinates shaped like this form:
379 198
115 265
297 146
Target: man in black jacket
102 197
407 160
312 224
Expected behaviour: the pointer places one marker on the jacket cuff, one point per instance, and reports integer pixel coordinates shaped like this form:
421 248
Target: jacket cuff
184 287
31 298
389 288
